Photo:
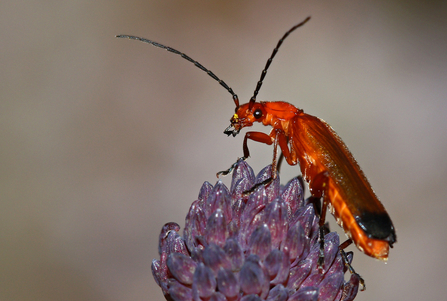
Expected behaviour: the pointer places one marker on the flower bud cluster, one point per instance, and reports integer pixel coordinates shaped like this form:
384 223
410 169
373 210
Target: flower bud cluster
263 246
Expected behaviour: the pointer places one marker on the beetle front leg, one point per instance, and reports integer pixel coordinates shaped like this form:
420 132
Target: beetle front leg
258 137
255 136
229 170
261 137
276 137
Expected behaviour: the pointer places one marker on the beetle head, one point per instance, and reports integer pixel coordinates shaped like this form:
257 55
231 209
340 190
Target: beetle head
245 115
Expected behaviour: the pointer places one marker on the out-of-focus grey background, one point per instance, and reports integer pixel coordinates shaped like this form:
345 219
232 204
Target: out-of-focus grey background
105 140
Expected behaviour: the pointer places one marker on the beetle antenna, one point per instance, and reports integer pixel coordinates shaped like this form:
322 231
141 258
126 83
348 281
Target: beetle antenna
186 57
269 61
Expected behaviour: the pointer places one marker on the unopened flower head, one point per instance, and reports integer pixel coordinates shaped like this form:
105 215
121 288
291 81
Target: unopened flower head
263 246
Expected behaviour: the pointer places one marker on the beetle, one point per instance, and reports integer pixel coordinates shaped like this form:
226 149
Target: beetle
325 161
326 164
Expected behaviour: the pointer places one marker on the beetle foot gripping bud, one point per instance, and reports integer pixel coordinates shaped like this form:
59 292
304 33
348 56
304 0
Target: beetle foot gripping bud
263 246
229 170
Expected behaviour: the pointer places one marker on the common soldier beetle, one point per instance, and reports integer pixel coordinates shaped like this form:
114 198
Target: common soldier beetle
325 161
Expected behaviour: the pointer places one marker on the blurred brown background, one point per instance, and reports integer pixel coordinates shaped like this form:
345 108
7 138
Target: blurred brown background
104 140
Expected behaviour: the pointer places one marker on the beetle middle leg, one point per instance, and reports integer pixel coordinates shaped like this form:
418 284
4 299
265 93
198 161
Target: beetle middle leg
318 188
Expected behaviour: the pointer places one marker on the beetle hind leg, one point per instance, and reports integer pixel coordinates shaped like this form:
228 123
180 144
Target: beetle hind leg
348 264
318 188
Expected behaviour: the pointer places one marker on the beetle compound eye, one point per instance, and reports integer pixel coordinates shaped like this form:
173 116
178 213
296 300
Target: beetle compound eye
257 114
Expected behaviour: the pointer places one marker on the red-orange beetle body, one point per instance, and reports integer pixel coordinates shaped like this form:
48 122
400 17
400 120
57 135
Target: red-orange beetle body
327 165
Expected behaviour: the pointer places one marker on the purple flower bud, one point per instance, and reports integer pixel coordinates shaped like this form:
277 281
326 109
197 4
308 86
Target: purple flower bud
216 258
204 281
329 286
235 254
293 195
227 283
276 219
251 298
242 172
239 188
277 265
313 280
218 297
175 243
205 191
306 217
196 216
278 293
273 262
195 225
259 247
253 215
305 294
182 267
179 292
233 229
219 199
273 189
350 288
252 278
158 273
163 235
216 228
238 208
261 241
295 242
298 273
